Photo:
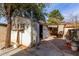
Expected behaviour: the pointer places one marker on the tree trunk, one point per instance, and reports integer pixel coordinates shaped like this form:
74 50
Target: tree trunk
8 34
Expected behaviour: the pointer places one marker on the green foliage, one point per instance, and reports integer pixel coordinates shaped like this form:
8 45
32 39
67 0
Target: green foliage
55 17
2 13
36 8
56 14
53 21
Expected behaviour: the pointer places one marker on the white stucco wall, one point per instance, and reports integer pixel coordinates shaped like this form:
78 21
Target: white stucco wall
45 32
35 33
60 28
25 37
13 36
65 31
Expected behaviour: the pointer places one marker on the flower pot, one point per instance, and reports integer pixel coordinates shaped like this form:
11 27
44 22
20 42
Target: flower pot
74 48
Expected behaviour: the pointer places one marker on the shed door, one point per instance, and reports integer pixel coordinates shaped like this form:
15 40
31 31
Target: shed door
41 31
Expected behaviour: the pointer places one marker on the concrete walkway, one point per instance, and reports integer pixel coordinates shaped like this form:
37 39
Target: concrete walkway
60 44
46 48
10 51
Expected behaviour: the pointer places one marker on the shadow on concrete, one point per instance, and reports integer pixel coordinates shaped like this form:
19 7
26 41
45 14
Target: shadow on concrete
60 43
46 49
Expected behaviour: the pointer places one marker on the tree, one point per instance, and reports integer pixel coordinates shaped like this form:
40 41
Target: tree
55 17
2 11
8 35
74 20
53 21
23 8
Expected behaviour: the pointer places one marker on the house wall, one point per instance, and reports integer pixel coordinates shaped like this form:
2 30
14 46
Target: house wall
3 30
65 31
36 33
45 32
60 28
25 37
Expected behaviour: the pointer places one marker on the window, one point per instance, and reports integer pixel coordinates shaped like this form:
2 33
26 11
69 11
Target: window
18 27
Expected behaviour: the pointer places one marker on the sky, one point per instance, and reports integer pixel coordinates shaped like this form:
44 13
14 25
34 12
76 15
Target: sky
66 9
3 20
